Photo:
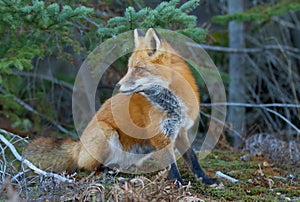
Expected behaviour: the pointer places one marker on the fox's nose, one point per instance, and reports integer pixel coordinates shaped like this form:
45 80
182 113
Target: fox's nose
118 86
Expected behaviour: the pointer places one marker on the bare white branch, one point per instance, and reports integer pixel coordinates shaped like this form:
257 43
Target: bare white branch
249 105
283 118
244 50
263 106
221 122
28 163
231 179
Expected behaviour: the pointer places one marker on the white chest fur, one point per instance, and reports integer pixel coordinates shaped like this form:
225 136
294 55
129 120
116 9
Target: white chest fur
125 159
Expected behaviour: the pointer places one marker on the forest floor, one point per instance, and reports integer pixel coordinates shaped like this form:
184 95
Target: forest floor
259 180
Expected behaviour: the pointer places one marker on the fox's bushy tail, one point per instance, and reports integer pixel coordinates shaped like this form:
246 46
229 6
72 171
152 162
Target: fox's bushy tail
51 154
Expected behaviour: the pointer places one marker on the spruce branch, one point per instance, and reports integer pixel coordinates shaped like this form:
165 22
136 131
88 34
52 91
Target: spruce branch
259 13
189 6
166 15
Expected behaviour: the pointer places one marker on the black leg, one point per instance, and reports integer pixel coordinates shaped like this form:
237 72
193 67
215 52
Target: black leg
174 174
191 158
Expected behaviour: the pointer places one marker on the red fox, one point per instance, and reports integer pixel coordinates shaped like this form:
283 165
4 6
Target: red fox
157 103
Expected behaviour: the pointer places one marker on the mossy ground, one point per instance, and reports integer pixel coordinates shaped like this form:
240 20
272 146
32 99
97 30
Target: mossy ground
257 178
257 182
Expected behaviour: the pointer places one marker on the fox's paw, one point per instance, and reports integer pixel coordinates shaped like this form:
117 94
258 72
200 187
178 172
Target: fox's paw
213 182
210 181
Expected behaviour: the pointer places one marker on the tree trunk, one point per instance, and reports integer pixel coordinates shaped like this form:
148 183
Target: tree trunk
236 115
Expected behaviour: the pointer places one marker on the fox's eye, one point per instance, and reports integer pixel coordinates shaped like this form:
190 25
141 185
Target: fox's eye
138 69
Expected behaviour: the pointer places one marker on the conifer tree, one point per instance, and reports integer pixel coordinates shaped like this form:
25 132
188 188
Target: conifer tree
260 13
33 29
167 15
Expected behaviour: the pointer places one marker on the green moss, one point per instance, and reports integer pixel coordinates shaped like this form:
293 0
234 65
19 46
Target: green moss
229 162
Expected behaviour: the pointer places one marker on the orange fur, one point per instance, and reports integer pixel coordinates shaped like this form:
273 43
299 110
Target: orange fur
93 148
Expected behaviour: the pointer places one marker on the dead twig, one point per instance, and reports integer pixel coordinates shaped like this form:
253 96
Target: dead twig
250 105
231 179
244 50
28 163
264 106
230 128
47 78
32 110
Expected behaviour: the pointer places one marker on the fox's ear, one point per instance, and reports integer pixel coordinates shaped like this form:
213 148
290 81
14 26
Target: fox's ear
137 34
153 41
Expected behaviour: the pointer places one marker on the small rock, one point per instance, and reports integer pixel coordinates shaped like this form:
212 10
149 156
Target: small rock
245 158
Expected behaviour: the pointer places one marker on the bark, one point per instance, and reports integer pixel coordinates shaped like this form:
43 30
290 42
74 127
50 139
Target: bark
236 115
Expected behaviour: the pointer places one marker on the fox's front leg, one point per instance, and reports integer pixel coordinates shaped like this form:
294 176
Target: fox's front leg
183 145
165 157
174 173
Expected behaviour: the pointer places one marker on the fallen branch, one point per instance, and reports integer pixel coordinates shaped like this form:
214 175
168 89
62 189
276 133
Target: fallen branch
28 163
15 178
284 178
220 174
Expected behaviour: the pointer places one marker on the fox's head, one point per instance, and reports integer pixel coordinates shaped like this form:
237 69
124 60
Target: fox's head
150 63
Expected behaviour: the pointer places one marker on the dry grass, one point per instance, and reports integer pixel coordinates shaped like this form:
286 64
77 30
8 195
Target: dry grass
260 179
